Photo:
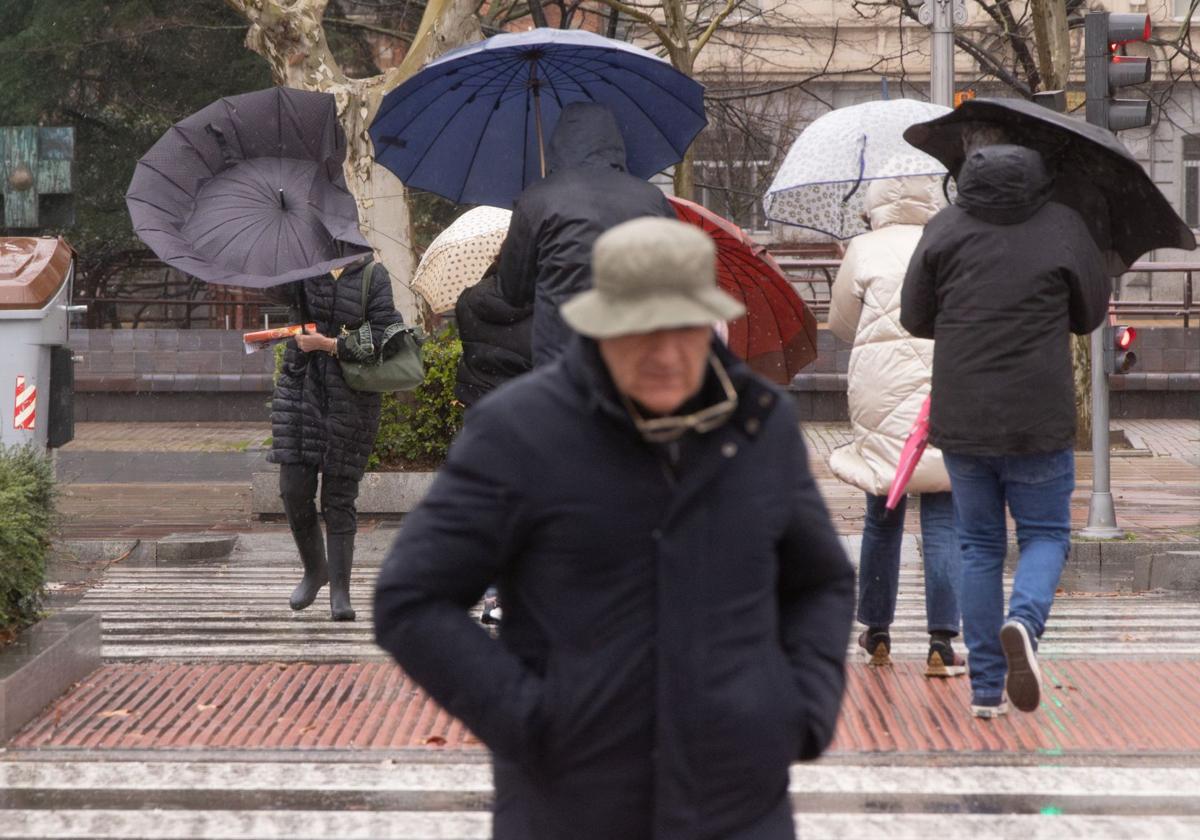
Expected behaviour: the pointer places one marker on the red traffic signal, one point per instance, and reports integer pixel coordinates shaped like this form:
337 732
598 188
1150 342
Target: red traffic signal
1119 349
1106 71
1123 337
1123 28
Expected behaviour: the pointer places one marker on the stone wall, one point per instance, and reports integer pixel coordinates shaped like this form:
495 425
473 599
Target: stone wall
175 375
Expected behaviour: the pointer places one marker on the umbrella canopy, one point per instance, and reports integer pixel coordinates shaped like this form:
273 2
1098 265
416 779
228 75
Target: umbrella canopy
820 184
249 191
778 334
459 256
470 125
1094 173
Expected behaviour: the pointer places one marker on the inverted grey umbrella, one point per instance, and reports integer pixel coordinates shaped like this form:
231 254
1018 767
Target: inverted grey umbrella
249 191
1094 173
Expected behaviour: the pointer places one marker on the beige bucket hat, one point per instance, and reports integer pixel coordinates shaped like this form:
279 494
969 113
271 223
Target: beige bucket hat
650 274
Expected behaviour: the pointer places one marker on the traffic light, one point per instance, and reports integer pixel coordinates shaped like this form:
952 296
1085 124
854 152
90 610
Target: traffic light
1109 69
1118 348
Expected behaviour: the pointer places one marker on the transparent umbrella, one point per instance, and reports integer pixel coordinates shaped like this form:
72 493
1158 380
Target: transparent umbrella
820 185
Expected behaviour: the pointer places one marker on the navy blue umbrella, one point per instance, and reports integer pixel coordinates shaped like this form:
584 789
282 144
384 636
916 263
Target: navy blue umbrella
470 125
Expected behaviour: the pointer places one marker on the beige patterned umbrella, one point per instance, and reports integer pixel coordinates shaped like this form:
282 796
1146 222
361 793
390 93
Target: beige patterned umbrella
459 256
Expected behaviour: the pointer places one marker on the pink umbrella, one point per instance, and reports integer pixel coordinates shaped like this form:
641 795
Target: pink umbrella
910 455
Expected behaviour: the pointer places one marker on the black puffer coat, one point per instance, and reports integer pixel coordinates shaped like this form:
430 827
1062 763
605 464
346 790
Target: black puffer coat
547 255
672 638
315 417
496 340
1000 281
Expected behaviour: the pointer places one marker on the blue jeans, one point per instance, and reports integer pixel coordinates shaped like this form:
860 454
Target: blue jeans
879 562
1037 489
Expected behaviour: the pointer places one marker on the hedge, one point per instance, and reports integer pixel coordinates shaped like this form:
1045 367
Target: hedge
26 523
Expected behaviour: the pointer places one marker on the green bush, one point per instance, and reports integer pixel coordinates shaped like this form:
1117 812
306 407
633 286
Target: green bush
27 501
416 428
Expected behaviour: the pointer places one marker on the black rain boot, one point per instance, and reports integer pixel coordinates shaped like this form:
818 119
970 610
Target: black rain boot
341 559
309 540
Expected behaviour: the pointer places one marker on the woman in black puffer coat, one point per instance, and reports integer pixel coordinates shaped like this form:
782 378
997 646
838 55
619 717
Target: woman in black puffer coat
321 426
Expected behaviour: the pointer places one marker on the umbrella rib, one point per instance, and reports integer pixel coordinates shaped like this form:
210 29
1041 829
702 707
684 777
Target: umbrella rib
479 140
445 125
637 105
648 79
476 70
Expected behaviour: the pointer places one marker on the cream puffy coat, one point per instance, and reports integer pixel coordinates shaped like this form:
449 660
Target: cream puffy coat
889 369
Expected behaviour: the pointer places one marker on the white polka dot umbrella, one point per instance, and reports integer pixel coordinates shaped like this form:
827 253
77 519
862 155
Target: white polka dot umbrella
459 256
820 185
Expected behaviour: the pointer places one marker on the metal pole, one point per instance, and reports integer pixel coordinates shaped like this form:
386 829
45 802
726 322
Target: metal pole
1102 516
941 16
537 113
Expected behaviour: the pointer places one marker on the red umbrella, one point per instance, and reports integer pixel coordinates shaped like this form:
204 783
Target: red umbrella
778 334
910 455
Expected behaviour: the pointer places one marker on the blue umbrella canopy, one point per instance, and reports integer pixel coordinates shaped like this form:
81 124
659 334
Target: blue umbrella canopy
471 126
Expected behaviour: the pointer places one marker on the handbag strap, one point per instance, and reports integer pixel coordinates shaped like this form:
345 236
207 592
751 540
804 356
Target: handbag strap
367 274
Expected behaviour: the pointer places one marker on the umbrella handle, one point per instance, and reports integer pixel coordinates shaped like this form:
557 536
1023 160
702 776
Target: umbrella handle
862 168
537 112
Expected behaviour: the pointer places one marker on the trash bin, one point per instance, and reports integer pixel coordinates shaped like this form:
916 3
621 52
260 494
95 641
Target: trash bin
36 369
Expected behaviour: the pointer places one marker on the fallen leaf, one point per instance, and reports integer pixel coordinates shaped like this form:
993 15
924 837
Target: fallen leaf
112 713
435 741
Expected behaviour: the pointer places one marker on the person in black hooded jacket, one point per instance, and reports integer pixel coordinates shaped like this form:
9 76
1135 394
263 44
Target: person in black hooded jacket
1000 280
546 257
496 339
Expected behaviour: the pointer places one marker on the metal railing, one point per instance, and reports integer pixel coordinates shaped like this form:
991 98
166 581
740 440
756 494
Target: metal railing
813 279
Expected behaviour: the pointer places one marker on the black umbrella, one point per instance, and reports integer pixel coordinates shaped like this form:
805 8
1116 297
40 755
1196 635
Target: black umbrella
249 191
1094 173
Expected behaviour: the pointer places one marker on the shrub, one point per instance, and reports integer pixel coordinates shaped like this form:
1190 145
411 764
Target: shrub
416 428
27 501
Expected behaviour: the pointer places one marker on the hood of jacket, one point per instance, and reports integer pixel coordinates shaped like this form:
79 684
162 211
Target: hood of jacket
1003 184
587 134
904 201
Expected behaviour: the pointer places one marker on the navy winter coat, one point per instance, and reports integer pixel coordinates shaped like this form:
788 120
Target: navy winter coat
674 634
316 418
547 256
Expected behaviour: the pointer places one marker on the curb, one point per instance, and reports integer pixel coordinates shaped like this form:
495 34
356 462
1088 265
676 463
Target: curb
379 493
1127 565
42 664
73 561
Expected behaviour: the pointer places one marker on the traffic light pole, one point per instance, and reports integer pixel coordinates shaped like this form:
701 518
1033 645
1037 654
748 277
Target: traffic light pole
941 16
1102 73
1102 515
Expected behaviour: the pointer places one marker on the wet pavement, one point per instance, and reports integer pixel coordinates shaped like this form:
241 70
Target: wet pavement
221 713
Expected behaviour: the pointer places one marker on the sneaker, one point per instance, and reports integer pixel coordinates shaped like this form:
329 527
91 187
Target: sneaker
877 644
491 608
1024 684
990 708
942 660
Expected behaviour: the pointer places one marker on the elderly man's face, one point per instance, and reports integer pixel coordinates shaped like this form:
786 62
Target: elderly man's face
659 370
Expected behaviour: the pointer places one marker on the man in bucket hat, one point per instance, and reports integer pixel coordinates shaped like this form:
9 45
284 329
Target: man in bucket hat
677 605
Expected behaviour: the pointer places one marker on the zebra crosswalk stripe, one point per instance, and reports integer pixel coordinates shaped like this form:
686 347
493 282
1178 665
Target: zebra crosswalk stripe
435 800
240 612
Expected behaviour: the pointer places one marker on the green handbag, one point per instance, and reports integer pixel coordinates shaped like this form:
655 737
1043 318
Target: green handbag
368 369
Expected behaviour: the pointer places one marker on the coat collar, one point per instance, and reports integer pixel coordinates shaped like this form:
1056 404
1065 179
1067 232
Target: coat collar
585 369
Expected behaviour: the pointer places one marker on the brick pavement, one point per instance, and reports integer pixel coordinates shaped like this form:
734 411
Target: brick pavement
169 437
1175 438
